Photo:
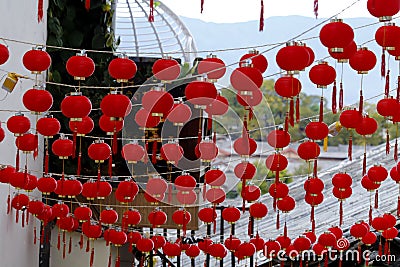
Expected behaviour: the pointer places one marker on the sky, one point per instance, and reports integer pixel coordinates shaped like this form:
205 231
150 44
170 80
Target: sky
229 11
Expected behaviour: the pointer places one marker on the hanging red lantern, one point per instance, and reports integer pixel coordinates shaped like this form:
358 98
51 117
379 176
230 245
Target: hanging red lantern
245 170
110 126
219 106
159 241
395 52
186 197
72 187
368 184
367 126
388 36
218 251
369 238
278 138
379 224
185 182
122 68
4 54
336 35
37 100
232 243
250 193
76 106
20 201
212 66
384 10
172 250
36 60
258 210
231 214
157 218
215 196
19 180
390 233
313 185
322 74
287 86
327 239
286 204
208 150
5 173
316 130
308 150
293 58
284 241
89 190
245 146
60 210
313 199
133 152
62 147
181 217
127 190
249 101
83 213
214 177
387 107
47 185
48 126
377 174
108 216
192 251
179 114
27 143
35 207
350 119
257 60
272 248
342 180
207 215
99 151
145 120
172 152
116 105
156 186
363 60
201 93
166 69
276 162
392 221
346 54
83 127
157 102
278 190
145 245
18 124
342 193
131 217
246 79
245 250
80 66
302 243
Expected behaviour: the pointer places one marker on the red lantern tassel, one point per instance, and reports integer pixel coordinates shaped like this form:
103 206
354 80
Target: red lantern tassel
361 103
300 262
387 142
251 113
350 148
42 235
312 213
321 109
64 249
204 191
387 83
359 253
17 161
282 263
383 64
154 153
285 230
291 112
91 257
118 261
341 96
277 177
209 122
184 224
364 166
115 144
261 28
316 8
315 169
201 6
340 262
395 153
370 215
141 262
297 109
326 261
130 247
385 248
146 149
334 98
40 11
398 205
88 245
287 122
109 259
34 235
81 242
367 259
249 227
23 219
214 220
70 245
398 88
17 216
58 240
151 13
87 4
8 204
274 204
340 213
74 143
277 221
376 199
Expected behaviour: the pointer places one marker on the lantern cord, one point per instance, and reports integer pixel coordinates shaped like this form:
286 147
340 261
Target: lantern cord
334 89
8 203
261 28
341 213
376 199
387 83
350 148
92 257
70 245
201 6
321 109
74 134
383 63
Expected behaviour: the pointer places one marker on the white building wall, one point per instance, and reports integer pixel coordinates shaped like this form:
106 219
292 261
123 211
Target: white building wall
18 21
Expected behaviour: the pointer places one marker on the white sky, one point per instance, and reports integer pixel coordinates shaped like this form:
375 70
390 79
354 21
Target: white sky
245 10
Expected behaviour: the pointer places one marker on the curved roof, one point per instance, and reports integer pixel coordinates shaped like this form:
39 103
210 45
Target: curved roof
167 35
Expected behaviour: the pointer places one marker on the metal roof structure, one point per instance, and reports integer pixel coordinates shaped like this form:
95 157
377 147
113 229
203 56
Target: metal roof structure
166 36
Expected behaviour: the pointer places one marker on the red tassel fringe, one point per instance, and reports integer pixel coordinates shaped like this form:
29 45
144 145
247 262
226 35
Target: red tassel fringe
17 161
17 216
387 83
261 28
380 247
340 213
277 221
81 242
387 142
376 199
118 262
70 245
109 259
91 257
291 112
115 144
201 6
151 13
395 153
334 89
341 96
250 227
359 253
285 230
27 218
364 166
386 248
154 153
350 148
398 205
370 215
88 245
398 88
40 11
23 219
316 8
34 235
74 144
209 122
287 122
8 204
58 240
361 103
321 110
383 63
297 109
110 165
87 4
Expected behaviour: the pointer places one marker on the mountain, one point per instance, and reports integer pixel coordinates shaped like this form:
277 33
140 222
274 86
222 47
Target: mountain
278 30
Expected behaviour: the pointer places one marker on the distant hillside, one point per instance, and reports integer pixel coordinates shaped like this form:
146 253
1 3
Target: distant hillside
213 36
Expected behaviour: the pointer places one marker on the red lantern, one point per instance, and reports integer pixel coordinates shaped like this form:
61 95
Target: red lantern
218 251
47 185
308 150
27 143
156 186
390 233
219 106
76 106
284 241
212 66
342 193
377 174
89 190
258 210
245 146
35 207
48 126
272 248
215 195
20 201
60 210
286 204
369 238
293 58
246 79
192 251
278 138
207 150
185 182
368 184
4 54
207 215
145 119
363 60
383 9
92 231
127 190
276 162
392 221
215 177
83 213
201 93
250 193
110 126
249 101
18 124
379 224
179 114
327 239
313 199
82 127
108 216
62 147
387 107
257 60
350 118
314 185
232 243
348 52
166 69
394 174
145 245
133 152
395 52
287 86
342 180
116 105
19 180
5 173
104 189
181 217
316 130
245 170
172 152
322 74
337 231
367 126
186 197
122 69
336 35
72 187
157 218
388 36
37 100
231 214
36 60
278 190
99 151
159 241
131 217
302 243
171 250
157 102
245 250
80 66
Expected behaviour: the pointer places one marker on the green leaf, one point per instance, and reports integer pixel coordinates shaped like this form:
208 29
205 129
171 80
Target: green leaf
156 4
75 39
54 41
110 41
